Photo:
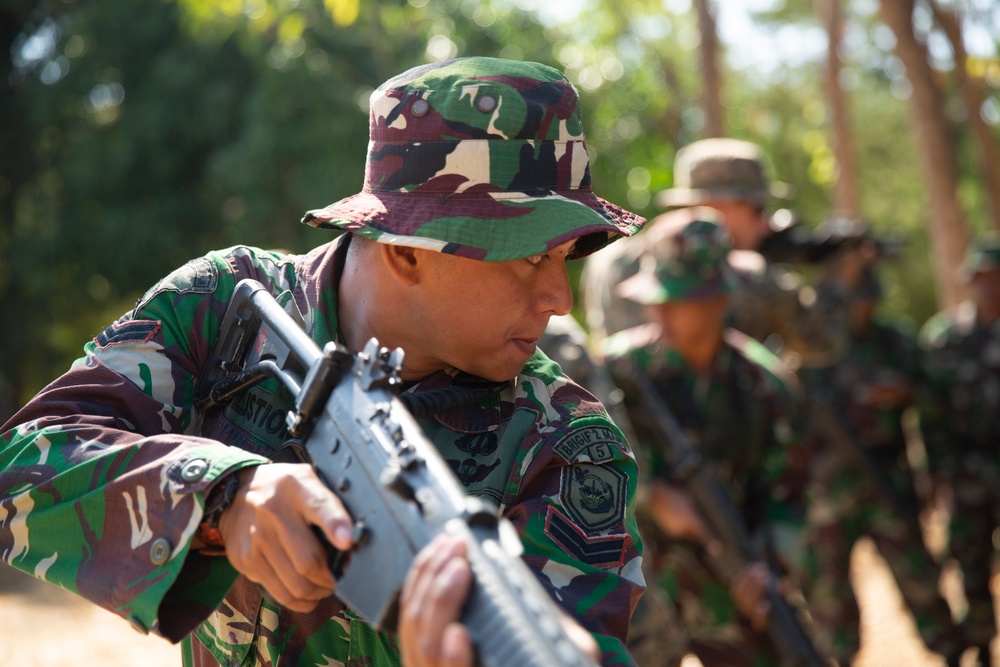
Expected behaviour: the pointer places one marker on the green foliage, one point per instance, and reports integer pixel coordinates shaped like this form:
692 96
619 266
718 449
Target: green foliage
137 136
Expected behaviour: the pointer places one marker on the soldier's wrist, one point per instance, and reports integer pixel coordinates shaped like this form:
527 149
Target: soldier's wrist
218 500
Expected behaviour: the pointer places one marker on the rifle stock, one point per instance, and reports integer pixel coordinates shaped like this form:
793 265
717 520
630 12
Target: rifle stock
715 505
400 492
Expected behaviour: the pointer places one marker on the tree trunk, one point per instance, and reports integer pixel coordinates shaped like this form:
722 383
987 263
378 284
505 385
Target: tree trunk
946 221
972 92
846 197
711 93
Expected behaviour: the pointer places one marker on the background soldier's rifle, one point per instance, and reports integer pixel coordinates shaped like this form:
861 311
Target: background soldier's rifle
367 447
716 506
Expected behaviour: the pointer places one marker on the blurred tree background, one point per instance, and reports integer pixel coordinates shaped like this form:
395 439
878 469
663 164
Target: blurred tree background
135 137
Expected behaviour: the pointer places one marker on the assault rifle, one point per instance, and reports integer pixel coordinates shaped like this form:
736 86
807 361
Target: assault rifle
716 507
367 447
791 242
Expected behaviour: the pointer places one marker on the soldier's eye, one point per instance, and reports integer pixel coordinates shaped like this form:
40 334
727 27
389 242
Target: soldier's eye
535 259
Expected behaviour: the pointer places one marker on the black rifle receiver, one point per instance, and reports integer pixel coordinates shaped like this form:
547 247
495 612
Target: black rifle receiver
715 505
370 451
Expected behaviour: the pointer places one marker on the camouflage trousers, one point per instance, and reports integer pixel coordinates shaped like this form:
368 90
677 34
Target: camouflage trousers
687 609
974 521
844 508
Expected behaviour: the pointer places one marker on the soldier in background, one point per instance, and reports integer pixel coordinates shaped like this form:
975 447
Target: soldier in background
961 427
736 403
862 481
724 180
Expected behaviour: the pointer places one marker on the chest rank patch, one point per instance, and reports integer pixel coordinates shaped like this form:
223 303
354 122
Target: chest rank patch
595 444
594 496
605 551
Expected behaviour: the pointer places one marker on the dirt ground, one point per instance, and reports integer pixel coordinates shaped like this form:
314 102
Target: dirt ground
44 626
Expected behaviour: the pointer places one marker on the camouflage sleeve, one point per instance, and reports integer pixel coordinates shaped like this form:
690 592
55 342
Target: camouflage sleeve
932 399
573 502
102 488
811 322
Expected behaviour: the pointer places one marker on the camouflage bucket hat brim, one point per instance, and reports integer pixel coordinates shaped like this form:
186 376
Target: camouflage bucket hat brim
478 157
651 289
688 264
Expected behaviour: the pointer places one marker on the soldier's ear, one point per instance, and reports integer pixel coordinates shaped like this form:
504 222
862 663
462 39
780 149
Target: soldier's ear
403 263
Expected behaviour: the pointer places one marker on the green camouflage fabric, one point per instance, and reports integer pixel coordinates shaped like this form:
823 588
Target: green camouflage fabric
480 157
960 421
805 325
103 477
743 414
847 504
687 263
605 311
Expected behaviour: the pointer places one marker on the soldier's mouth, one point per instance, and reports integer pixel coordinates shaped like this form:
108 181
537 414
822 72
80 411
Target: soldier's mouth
526 345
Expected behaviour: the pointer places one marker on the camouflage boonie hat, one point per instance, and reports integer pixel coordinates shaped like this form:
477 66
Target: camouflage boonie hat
720 170
982 256
689 264
478 157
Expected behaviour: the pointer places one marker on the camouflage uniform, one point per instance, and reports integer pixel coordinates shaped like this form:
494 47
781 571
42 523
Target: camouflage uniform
104 474
807 324
961 427
742 415
850 500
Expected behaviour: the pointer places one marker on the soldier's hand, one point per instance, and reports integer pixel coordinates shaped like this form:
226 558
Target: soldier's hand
430 605
268 532
675 514
430 632
749 593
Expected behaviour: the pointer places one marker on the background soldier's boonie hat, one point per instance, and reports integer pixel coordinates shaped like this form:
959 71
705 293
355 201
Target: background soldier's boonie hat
720 170
687 262
982 255
479 157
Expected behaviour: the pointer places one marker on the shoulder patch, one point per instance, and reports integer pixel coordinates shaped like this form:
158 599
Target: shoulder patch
605 551
199 276
131 331
593 496
594 444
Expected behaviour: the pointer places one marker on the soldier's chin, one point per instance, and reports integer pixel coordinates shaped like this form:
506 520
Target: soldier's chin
500 370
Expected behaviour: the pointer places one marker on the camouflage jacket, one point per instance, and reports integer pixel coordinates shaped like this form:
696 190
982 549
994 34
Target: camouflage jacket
743 414
103 477
808 324
960 417
886 351
811 322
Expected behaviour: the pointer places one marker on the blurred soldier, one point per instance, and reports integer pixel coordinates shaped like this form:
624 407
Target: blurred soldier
735 402
863 484
961 425
728 177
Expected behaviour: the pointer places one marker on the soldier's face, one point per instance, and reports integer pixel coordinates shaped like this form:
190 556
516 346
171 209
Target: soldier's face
687 325
485 318
745 222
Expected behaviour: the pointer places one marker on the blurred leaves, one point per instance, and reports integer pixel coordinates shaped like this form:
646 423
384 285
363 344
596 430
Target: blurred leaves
137 136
